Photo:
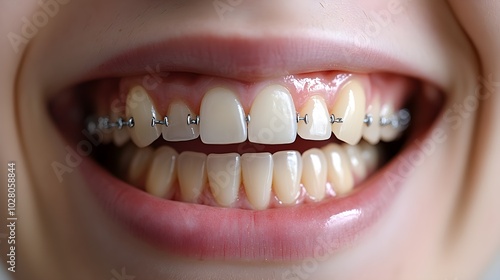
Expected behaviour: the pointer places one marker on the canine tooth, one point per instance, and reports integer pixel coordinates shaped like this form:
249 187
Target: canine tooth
178 129
318 126
222 118
314 173
350 106
140 106
162 172
371 133
224 177
388 133
139 166
339 171
257 174
358 166
287 175
273 117
192 175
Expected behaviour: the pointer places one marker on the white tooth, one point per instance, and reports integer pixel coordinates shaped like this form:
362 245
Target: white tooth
178 128
350 106
339 170
162 172
139 166
222 118
224 177
192 175
388 133
257 173
372 133
358 166
140 106
287 174
371 156
314 173
273 117
319 125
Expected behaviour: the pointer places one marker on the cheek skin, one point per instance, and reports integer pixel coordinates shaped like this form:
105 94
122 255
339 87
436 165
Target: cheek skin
412 242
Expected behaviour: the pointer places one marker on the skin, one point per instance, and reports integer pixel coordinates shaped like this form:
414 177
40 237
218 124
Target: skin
437 229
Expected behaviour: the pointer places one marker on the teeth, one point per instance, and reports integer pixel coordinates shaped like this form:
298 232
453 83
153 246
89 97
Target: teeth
358 167
314 173
162 172
120 137
192 175
222 118
287 175
273 117
350 106
371 133
388 133
339 172
139 166
257 173
318 126
224 176
178 128
140 106
371 156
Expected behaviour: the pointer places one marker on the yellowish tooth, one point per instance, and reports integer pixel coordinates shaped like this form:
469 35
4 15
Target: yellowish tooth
287 175
257 173
120 137
139 166
124 159
358 166
388 133
350 106
192 175
222 118
372 133
371 156
273 117
319 125
339 170
140 106
314 173
224 177
162 172
178 128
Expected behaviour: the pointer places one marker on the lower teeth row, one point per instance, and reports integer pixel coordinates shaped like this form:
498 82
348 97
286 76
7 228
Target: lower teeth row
252 180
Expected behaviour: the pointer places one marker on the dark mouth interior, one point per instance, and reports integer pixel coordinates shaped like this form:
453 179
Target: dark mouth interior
76 103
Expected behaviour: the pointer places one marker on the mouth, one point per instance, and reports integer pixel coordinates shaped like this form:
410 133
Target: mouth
249 156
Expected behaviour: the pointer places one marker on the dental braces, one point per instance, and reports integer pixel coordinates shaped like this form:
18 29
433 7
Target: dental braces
399 120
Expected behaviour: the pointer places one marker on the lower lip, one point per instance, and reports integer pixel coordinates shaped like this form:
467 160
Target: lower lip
204 232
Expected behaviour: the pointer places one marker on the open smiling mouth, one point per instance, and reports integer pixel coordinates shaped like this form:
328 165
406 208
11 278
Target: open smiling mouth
232 167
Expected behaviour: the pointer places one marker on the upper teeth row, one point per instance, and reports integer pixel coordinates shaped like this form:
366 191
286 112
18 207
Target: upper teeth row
272 118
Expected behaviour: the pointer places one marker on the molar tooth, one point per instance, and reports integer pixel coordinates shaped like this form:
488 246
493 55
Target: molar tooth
139 166
318 126
178 129
339 171
287 175
192 175
350 106
314 173
257 173
358 166
222 118
140 106
162 172
273 117
224 176
371 133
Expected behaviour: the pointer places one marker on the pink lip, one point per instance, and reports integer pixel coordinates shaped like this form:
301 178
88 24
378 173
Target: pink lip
204 232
